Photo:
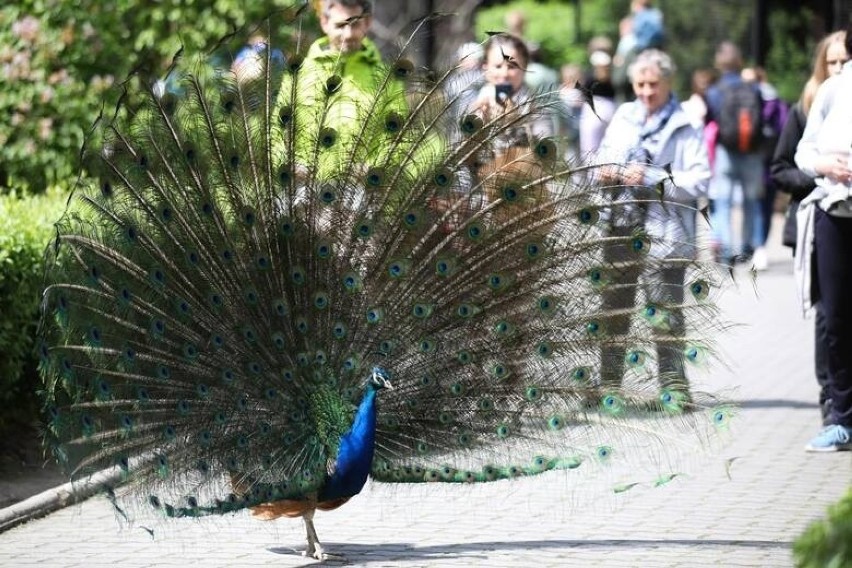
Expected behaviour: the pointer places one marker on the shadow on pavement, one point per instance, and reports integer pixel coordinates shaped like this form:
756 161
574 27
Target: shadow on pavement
385 552
775 403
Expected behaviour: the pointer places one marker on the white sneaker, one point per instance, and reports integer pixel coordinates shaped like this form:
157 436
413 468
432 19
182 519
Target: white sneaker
760 260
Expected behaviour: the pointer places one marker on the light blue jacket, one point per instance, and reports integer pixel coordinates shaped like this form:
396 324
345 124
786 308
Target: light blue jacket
680 146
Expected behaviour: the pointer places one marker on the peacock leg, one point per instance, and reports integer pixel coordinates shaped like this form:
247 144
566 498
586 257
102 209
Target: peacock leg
315 549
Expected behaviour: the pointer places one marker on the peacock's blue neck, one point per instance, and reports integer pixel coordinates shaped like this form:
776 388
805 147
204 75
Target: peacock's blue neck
355 453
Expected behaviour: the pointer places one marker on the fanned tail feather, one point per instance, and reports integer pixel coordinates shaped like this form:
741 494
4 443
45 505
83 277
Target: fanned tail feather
220 291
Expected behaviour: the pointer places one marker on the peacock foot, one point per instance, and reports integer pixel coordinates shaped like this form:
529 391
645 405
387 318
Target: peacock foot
315 550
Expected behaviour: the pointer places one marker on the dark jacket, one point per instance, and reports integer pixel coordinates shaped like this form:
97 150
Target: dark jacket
783 171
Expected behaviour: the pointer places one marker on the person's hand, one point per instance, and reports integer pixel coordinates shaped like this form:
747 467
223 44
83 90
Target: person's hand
835 167
609 173
487 107
633 174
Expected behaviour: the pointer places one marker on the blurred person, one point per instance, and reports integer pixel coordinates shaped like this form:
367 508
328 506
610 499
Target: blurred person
824 243
344 51
506 58
571 108
696 107
467 78
516 23
733 104
498 104
595 117
641 29
538 77
647 25
655 143
247 65
774 115
829 59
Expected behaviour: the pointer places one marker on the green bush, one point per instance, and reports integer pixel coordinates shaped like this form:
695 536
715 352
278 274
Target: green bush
827 543
26 227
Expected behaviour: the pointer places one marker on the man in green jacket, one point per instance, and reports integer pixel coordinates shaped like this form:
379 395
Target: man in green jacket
344 96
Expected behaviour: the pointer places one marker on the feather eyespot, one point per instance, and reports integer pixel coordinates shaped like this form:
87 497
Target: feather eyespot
545 149
393 123
443 177
511 193
364 229
375 177
640 245
332 84
700 289
422 311
403 69
588 216
470 124
475 231
321 300
339 330
500 372
228 103
168 102
294 62
327 137
375 315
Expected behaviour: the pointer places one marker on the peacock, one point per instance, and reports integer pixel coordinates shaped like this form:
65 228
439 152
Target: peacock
247 307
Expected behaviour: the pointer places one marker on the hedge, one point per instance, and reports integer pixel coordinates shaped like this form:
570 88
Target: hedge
26 227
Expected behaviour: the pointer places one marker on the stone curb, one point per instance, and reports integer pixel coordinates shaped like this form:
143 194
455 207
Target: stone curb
54 499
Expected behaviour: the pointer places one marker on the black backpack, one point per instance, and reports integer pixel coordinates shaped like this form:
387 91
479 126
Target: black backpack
740 119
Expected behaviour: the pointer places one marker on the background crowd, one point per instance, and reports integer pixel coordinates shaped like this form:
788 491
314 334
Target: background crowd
732 144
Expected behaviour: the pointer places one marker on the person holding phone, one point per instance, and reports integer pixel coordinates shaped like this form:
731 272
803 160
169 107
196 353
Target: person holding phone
504 96
503 106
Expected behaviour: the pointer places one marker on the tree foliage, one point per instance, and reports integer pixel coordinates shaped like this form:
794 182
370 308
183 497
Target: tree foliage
58 60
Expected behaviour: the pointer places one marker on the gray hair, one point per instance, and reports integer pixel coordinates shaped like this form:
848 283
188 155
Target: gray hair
365 5
652 59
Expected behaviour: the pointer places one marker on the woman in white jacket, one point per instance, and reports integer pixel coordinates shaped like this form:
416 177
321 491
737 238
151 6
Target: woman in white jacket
657 146
825 239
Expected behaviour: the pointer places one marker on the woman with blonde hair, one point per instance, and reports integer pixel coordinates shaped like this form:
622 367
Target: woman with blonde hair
830 57
828 61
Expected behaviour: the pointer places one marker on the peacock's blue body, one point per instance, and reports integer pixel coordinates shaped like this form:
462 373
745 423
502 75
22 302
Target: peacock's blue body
354 458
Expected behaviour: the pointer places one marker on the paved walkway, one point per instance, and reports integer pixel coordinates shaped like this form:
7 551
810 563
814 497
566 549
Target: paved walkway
707 519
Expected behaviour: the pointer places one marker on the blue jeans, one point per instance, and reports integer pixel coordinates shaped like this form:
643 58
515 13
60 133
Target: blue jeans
746 170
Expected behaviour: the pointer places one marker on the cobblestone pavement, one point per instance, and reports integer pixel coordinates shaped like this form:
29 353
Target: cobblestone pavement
743 508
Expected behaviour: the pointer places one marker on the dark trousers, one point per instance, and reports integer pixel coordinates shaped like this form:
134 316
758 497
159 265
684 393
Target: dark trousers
833 244
821 362
662 286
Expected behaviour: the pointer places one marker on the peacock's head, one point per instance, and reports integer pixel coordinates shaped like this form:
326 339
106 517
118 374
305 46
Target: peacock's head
380 379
